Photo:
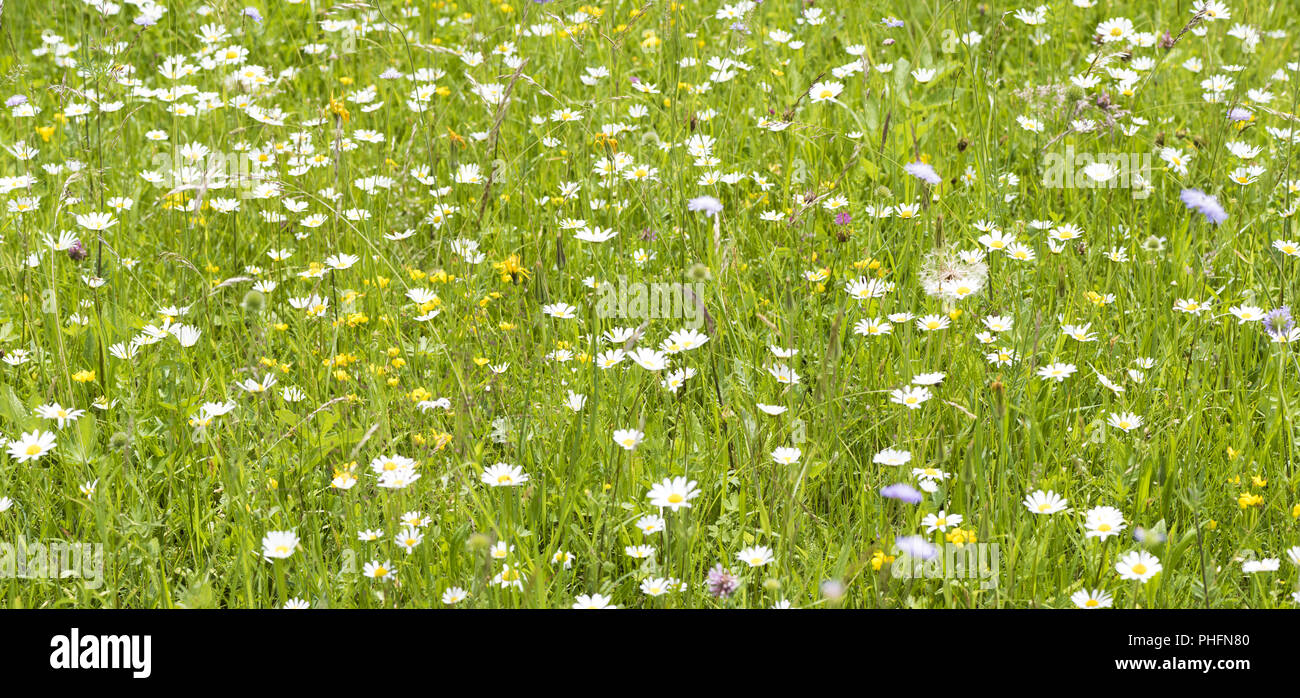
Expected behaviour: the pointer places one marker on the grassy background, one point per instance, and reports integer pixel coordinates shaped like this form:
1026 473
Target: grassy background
181 512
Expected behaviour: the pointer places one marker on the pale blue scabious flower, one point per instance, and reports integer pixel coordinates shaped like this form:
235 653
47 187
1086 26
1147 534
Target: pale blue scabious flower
708 204
1205 204
917 547
902 492
923 172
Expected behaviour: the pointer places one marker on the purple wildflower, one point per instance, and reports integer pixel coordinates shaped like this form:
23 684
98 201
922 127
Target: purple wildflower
1278 323
722 583
842 218
1205 204
1238 114
77 252
16 100
708 204
923 172
892 22
902 492
253 14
